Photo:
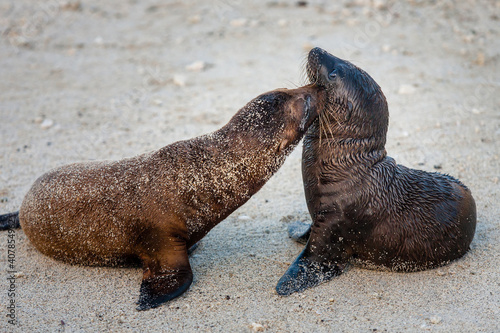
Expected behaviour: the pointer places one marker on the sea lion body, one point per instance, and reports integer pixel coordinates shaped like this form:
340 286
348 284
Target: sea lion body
363 205
153 207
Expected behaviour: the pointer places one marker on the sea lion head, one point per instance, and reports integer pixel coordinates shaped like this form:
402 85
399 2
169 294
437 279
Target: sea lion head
355 107
281 117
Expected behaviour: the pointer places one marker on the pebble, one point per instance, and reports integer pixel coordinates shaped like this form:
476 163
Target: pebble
435 319
257 327
386 48
331 300
71 6
307 46
380 4
240 22
179 80
157 102
197 66
406 89
282 22
194 19
47 123
480 59
19 275
99 40
244 217
441 273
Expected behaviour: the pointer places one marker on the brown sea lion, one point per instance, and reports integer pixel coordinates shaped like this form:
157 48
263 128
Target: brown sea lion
153 207
363 205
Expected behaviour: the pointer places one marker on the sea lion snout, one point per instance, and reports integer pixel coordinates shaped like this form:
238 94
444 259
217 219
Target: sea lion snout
308 109
308 103
324 68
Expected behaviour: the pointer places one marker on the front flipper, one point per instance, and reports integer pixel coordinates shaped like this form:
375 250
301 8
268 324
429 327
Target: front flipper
305 273
166 277
9 221
299 232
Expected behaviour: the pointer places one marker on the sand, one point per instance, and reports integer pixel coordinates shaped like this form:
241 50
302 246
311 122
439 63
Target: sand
107 80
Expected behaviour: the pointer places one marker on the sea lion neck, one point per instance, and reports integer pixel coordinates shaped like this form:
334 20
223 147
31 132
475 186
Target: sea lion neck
342 155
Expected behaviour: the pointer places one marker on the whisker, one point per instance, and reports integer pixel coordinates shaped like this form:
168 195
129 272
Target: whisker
292 84
304 79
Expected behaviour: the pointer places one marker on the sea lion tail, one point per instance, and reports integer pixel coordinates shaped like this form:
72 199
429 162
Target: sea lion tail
9 221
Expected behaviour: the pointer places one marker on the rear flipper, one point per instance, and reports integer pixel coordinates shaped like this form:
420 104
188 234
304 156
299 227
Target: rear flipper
193 248
163 287
305 273
167 275
9 221
299 232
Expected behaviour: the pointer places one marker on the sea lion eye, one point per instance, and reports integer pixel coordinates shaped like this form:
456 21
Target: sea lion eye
333 74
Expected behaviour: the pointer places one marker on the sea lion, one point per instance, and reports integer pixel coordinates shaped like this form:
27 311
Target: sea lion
363 205
153 207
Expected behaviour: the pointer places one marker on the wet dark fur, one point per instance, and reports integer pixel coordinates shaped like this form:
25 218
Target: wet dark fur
153 207
364 205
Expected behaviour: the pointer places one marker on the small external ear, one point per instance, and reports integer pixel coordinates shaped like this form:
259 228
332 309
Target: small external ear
283 145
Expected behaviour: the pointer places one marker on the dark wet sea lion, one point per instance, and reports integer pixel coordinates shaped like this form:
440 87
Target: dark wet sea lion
153 207
363 205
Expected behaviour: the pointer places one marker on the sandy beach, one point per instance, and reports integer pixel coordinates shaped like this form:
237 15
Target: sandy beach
95 80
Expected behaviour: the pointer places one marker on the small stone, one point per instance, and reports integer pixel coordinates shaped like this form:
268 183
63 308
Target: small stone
480 59
244 217
71 6
196 66
257 327
240 22
99 40
476 111
47 123
379 4
194 19
440 273
307 46
158 102
38 120
437 166
282 22
179 80
406 89
435 319
19 275
253 23
386 48
331 300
